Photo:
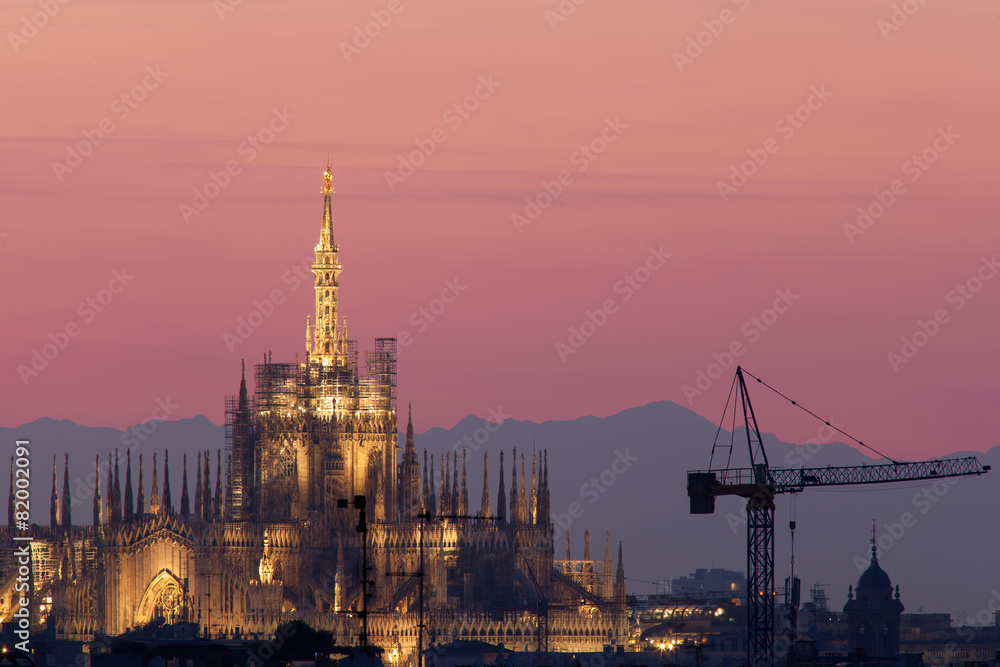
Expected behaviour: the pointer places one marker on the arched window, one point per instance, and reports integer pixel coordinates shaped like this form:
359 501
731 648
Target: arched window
865 637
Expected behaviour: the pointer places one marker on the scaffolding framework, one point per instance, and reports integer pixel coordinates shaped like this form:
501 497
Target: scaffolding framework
239 456
276 387
350 349
284 391
380 374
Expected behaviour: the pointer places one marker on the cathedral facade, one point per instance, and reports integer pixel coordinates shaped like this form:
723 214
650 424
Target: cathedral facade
280 535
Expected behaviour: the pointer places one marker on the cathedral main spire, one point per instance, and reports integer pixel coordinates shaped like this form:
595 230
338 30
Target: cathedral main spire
324 339
326 233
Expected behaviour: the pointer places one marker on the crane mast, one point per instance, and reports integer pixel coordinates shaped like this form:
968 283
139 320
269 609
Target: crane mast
760 483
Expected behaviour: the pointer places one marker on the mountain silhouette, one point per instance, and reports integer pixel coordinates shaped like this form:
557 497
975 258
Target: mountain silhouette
627 474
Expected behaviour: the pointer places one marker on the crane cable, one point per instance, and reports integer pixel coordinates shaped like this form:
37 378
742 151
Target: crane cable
715 443
848 435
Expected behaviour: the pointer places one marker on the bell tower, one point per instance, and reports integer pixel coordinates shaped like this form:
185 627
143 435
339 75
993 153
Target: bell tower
324 339
872 613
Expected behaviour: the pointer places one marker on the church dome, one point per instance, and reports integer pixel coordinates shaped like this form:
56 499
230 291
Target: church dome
874 578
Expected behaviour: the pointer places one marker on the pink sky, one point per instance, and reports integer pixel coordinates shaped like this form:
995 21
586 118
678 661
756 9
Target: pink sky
495 346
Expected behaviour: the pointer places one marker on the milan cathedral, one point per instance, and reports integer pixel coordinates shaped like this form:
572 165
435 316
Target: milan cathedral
269 542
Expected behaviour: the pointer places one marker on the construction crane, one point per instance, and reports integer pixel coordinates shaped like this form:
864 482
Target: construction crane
760 483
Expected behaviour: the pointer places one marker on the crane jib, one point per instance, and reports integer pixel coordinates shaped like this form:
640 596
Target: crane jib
704 486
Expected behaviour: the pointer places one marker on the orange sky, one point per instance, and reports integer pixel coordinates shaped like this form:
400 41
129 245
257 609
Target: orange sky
679 127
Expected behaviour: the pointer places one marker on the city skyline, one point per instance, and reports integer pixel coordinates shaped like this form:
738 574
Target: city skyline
610 113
